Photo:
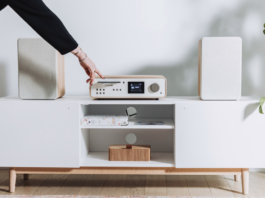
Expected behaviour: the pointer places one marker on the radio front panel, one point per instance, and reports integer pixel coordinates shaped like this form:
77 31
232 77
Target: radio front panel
128 88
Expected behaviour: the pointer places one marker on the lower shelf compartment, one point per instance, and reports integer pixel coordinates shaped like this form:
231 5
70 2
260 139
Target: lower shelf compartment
100 159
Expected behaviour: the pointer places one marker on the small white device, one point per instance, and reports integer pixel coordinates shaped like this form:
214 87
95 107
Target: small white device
133 87
220 66
131 138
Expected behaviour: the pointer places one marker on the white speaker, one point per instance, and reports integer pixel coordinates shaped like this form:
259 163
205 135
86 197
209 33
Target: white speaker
40 70
220 68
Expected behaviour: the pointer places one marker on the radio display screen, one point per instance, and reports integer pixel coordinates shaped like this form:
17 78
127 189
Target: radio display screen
136 87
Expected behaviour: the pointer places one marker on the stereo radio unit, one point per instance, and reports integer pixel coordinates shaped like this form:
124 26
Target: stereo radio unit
129 87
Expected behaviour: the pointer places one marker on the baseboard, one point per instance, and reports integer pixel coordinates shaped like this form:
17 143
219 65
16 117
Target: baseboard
257 170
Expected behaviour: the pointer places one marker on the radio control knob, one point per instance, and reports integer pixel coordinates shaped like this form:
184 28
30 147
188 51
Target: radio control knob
154 87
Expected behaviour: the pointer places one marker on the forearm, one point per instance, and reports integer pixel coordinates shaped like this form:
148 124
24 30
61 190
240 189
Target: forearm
45 23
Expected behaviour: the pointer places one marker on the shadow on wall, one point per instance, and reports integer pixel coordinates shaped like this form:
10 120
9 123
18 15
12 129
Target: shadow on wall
183 76
3 80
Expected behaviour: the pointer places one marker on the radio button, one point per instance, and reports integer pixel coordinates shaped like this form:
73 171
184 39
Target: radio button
154 87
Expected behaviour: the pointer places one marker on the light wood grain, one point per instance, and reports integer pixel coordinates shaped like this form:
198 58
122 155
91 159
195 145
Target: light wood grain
237 177
236 187
219 186
198 185
3 173
113 185
135 153
257 178
93 185
4 184
60 75
134 185
257 183
28 187
136 171
72 185
12 180
133 76
177 185
156 185
51 185
245 180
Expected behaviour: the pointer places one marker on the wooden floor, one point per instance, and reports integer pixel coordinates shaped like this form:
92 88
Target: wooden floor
118 185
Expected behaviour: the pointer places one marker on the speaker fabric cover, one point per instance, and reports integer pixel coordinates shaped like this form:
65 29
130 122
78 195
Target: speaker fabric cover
40 70
220 68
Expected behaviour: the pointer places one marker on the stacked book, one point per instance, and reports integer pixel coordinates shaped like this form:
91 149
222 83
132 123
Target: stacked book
107 120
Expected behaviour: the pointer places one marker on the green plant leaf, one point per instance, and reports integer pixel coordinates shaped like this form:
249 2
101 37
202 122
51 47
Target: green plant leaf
263 31
260 110
261 102
264 25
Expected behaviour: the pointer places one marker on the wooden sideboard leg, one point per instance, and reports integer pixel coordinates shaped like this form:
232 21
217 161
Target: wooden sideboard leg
26 176
245 180
12 179
237 177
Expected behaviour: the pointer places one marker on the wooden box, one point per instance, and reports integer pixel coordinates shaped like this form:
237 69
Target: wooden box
135 153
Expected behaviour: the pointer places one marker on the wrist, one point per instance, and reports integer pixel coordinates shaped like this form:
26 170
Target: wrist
81 55
75 51
78 52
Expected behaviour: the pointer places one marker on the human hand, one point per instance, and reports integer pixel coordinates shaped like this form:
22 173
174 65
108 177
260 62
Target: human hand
87 64
90 69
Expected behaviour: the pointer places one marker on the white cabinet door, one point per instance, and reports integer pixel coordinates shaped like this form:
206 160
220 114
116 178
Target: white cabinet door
219 134
39 134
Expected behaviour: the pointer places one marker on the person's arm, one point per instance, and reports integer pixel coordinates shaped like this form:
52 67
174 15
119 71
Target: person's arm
51 29
45 23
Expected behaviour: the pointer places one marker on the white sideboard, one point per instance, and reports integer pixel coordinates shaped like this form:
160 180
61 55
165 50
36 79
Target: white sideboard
198 137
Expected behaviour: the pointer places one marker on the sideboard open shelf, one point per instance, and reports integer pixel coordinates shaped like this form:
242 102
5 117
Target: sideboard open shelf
96 139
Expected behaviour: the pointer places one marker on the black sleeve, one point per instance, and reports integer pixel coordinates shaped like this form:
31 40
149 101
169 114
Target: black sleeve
45 23
2 5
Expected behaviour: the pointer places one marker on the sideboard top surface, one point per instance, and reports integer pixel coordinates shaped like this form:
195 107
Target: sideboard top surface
169 100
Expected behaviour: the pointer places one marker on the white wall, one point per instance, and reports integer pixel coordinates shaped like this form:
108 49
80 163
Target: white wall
145 37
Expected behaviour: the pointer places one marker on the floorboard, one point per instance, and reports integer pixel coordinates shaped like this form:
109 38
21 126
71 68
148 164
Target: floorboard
4 185
177 185
72 185
113 185
236 187
156 185
28 187
198 186
219 186
133 185
93 185
51 185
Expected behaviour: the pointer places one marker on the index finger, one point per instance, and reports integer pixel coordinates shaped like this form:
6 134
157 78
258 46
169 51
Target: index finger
100 75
